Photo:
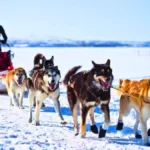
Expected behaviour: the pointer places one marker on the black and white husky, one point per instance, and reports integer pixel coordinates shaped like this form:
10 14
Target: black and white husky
41 63
42 84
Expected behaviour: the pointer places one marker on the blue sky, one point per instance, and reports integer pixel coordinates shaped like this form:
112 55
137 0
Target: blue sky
122 20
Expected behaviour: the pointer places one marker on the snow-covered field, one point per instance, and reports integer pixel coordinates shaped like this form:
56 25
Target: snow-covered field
17 134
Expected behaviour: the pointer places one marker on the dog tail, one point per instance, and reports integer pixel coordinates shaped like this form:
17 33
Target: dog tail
39 60
70 73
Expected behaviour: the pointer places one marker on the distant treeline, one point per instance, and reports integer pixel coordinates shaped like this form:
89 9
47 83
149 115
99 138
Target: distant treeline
26 43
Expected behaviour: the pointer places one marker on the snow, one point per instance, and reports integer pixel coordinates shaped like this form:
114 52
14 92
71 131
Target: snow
17 134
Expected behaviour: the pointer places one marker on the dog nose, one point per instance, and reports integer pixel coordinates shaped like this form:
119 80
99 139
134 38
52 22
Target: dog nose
108 79
53 81
20 78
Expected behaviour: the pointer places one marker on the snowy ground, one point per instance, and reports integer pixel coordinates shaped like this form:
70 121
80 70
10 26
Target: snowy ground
17 134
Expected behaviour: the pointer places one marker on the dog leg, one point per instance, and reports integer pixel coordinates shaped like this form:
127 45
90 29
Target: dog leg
11 104
30 99
74 107
125 108
103 129
92 122
34 103
137 134
75 118
37 112
13 98
21 100
58 111
10 96
144 130
83 115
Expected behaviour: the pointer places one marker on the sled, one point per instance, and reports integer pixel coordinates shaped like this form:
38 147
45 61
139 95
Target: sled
5 66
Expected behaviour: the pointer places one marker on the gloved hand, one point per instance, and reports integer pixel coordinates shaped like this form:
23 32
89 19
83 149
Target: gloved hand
3 41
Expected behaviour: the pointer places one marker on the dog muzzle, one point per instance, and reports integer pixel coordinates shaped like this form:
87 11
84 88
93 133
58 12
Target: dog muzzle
105 84
52 86
20 82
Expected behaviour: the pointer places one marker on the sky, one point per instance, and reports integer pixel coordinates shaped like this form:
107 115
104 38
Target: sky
123 20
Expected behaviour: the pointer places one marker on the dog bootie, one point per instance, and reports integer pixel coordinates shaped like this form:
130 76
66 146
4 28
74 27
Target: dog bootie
102 132
119 126
147 144
148 132
138 136
94 129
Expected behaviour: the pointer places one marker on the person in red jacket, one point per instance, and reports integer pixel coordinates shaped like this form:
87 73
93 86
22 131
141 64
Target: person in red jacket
4 40
5 57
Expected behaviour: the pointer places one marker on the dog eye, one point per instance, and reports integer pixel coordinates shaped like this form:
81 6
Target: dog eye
98 73
49 75
17 74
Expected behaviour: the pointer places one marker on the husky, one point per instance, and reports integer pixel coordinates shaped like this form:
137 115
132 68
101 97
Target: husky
42 84
135 94
41 63
15 81
86 90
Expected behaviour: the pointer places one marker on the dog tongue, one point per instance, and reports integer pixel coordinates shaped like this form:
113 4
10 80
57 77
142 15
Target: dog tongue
105 84
19 81
52 86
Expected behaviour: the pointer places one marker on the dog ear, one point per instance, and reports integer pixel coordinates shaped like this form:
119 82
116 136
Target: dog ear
58 71
94 64
56 67
120 83
52 58
108 62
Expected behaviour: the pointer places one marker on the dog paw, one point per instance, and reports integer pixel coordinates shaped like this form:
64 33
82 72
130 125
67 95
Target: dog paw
36 123
147 144
21 107
82 135
76 133
138 136
63 122
119 126
30 120
148 132
102 133
11 105
94 129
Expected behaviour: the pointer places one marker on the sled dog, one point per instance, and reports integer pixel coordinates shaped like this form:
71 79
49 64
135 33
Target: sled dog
15 82
86 90
136 95
41 63
44 83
